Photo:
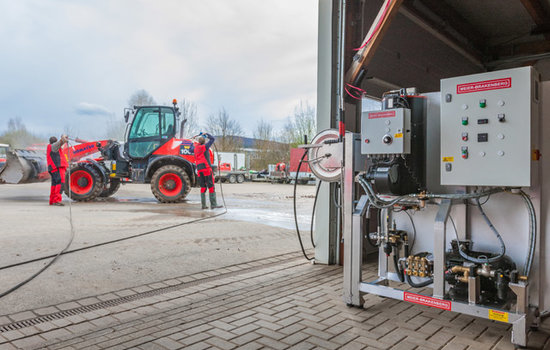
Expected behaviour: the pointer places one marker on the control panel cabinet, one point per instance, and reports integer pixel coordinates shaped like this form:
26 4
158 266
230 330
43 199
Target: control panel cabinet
487 121
386 132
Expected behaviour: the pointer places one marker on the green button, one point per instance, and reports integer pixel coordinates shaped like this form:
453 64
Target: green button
464 121
482 103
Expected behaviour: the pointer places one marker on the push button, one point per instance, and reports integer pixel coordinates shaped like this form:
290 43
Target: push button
464 152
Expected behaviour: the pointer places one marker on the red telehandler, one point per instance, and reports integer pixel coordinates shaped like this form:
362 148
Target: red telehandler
151 154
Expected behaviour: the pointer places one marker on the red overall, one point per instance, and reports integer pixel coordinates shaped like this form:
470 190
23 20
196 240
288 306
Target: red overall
204 170
57 164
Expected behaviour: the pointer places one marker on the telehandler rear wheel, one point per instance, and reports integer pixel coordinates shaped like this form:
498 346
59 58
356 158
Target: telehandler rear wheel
170 184
85 182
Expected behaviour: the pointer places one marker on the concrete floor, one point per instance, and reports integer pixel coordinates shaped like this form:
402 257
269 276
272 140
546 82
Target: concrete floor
258 224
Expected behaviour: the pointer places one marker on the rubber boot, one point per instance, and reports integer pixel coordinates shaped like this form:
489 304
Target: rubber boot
213 202
203 200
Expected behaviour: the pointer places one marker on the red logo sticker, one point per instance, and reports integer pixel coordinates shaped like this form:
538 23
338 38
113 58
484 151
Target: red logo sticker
427 301
486 85
385 114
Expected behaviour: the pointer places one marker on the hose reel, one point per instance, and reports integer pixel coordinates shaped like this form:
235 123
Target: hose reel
325 156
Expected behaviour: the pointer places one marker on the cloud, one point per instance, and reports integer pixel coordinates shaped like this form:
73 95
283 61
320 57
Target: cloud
255 58
86 108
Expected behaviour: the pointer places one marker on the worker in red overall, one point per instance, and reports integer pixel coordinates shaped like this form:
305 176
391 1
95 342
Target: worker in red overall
204 169
57 164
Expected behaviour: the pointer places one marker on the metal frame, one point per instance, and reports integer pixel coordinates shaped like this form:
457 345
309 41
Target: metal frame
520 319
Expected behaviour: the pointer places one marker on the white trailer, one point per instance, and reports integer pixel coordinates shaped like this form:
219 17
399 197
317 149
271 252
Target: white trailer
232 167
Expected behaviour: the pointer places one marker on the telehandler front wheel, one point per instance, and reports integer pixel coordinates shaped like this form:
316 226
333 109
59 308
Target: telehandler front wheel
170 184
83 183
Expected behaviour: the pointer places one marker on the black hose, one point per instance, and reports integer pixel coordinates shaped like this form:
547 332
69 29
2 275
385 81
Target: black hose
497 234
418 285
398 270
55 257
295 215
313 213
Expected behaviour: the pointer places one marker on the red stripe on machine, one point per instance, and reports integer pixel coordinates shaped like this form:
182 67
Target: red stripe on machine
385 114
504 83
427 301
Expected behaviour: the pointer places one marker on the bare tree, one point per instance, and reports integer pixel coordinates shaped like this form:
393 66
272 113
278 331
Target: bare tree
268 151
227 130
17 135
116 128
141 98
303 122
188 112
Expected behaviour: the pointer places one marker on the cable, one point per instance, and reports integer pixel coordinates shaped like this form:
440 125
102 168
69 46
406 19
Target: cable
65 251
382 204
351 95
414 229
532 232
336 196
497 234
294 201
376 28
398 270
360 91
420 284
313 213
55 257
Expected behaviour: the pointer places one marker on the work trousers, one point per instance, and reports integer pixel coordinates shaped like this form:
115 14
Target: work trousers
206 179
58 179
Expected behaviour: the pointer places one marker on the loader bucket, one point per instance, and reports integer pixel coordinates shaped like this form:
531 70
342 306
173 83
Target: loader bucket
24 166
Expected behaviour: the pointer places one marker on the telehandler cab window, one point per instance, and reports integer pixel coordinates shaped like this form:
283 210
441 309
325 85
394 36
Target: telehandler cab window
167 121
144 135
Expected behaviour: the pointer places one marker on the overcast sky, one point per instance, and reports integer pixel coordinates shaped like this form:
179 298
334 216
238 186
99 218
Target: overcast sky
74 64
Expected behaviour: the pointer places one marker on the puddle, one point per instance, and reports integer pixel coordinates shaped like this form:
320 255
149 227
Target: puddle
129 200
270 217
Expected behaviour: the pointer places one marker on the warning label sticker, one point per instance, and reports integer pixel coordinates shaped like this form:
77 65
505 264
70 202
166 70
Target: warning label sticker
398 135
427 301
385 114
448 159
495 84
498 315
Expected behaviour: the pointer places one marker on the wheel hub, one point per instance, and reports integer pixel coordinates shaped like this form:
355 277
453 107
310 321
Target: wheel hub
169 184
82 182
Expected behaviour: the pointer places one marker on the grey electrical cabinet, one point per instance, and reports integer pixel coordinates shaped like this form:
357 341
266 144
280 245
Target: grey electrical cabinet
488 128
386 132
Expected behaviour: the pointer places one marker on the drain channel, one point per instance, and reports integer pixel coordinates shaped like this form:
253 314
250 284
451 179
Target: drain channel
122 300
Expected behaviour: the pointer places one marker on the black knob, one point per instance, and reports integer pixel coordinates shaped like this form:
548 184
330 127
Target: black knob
387 139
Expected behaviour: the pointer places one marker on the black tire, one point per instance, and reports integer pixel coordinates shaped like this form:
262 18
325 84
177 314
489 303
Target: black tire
170 184
232 179
86 182
112 186
240 178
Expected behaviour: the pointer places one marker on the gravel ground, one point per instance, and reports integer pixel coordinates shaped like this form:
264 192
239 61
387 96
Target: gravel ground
259 224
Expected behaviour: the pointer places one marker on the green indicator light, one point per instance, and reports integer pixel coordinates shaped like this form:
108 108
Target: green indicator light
482 103
464 121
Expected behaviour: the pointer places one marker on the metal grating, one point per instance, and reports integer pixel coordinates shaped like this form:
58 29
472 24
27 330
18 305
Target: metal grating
115 302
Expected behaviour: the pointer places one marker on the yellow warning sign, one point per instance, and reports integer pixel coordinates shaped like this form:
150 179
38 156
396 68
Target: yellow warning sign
498 315
448 159
398 135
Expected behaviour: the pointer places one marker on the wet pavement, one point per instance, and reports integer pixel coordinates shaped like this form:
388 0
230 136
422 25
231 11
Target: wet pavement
251 229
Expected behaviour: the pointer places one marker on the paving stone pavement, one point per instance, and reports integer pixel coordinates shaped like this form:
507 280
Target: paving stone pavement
277 303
